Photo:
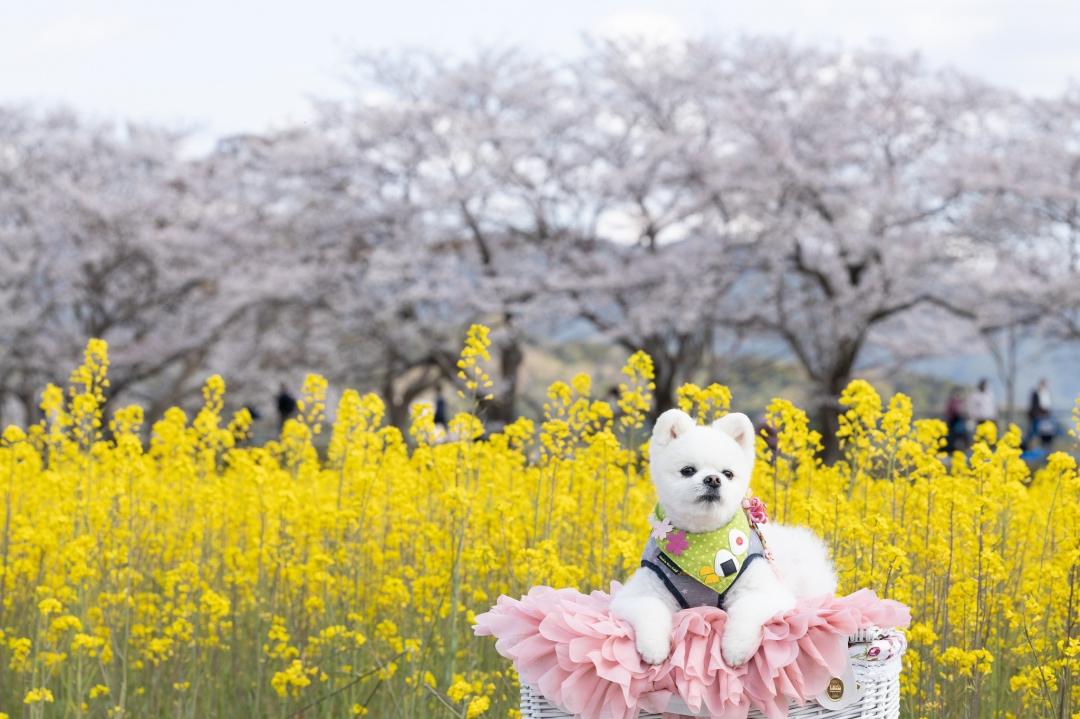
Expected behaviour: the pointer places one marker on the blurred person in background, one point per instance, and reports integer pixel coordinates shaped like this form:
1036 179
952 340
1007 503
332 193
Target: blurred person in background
956 419
286 405
1041 422
440 408
981 404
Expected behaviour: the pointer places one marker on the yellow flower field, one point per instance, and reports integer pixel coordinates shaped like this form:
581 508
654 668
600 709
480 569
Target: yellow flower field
336 571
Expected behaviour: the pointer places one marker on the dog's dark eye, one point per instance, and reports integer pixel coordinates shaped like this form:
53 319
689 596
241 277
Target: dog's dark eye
728 473
688 471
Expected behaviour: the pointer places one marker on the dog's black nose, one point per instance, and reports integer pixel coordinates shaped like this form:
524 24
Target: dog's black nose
713 480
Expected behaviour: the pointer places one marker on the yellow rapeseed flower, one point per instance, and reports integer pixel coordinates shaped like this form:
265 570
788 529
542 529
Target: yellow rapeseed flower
196 570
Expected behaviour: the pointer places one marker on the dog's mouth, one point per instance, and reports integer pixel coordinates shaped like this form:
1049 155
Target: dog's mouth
710 496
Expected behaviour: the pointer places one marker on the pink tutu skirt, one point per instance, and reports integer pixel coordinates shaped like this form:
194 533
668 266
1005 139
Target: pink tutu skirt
568 646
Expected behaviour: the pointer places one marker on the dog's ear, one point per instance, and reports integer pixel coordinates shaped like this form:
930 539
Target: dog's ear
670 425
739 427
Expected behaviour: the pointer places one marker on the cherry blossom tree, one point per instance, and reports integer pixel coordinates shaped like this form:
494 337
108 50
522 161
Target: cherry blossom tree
1022 288
485 178
101 232
862 196
1047 185
663 262
849 206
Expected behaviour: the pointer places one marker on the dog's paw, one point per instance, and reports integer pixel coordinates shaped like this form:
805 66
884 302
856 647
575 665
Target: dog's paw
653 650
738 645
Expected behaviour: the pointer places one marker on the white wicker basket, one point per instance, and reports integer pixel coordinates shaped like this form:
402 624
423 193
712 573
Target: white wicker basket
879 680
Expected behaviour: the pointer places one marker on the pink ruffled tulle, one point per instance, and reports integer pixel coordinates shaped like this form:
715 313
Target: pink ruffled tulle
569 647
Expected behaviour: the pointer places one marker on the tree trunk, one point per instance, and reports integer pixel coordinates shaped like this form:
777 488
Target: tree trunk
31 411
675 362
827 421
397 412
1010 376
400 392
1006 355
827 407
664 394
502 408
665 367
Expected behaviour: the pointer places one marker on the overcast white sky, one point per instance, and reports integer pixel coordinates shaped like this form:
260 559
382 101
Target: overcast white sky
240 65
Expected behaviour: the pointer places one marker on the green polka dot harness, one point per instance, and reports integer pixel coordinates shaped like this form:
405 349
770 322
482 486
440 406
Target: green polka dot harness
690 562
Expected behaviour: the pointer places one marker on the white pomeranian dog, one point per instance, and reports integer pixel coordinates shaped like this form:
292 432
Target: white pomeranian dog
703 549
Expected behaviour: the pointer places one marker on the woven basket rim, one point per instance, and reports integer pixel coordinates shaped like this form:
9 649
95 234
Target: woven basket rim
879 679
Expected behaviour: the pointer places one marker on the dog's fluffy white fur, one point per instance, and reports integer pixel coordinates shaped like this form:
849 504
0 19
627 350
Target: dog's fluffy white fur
801 568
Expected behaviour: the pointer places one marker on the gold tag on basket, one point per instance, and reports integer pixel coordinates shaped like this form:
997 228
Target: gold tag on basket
841 691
